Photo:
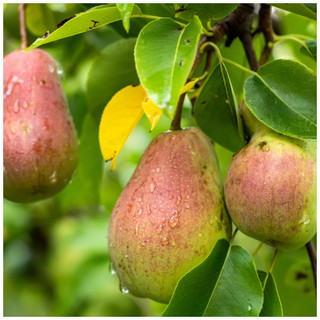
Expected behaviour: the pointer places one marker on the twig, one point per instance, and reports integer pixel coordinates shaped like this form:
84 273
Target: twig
23 29
265 25
270 269
313 258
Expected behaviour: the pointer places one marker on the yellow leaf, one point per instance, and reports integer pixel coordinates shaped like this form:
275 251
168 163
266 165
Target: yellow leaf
120 116
152 111
188 86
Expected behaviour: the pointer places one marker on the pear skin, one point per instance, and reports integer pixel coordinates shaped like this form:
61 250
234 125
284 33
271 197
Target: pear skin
169 216
40 147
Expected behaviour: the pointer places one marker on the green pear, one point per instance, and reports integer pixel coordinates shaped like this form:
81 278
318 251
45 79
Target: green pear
169 216
270 187
40 148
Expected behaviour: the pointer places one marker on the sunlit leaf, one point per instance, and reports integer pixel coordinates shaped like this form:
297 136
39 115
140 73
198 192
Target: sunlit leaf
82 22
188 86
152 111
125 11
164 56
119 118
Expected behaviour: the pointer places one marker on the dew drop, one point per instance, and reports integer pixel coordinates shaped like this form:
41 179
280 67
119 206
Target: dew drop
137 228
139 212
13 130
174 220
139 199
178 201
187 206
159 229
164 241
158 170
16 106
51 68
152 187
123 288
148 209
249 307
25 105
59 71
112 270
53 177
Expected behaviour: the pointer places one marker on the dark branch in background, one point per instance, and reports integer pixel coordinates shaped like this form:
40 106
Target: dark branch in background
238 24
265 26
313 258
23 29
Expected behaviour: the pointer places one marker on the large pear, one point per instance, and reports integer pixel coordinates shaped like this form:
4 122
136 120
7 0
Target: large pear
170 215
40 149
270 187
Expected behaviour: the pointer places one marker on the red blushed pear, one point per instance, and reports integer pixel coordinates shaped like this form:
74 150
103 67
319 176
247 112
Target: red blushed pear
270 187
40 149
170 215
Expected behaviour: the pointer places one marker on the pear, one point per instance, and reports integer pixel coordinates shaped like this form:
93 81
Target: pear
169 216
40 149
270 187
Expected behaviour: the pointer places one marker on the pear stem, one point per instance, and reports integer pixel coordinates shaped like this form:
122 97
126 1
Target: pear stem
23 28
176 122
313 258
270 270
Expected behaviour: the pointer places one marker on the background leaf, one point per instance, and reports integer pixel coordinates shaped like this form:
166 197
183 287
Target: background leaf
283 96
306 10
125 11
83 189
111 71
205 11
83 22
312 49
272 304
39 19
174 49
216 102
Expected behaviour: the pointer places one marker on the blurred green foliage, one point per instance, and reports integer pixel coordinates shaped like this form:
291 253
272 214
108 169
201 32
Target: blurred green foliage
55 254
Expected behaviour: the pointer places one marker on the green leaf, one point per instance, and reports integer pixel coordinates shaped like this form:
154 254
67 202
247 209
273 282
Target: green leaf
125 11
82 22
312 49
83 190
272 305
164 56
39 18
111 71
194 289
282 95
306 10
205 11
225 284
216 110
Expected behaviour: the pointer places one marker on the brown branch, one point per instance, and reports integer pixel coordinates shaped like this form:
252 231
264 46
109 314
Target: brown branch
265 26
23 28
313 258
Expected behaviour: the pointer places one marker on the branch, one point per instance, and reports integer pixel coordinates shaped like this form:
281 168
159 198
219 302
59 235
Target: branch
313 258
23 29
238 24
265 26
